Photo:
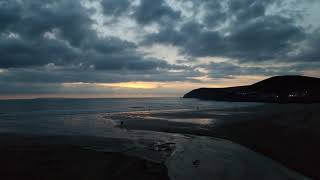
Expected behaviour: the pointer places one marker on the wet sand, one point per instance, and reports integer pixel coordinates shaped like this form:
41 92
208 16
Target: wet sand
150 155
287 133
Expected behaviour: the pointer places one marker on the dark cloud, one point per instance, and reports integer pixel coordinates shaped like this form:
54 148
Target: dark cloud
17 52
72 40
108 45
265 38
56 74
144 13
69 18
126 61
193 38
249 9
66 20
215 12
251 35
9 13
53 41
155 11
44 43
309 51
229 70
115 7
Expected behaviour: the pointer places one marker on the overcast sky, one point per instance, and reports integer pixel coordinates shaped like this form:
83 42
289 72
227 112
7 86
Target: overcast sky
131 48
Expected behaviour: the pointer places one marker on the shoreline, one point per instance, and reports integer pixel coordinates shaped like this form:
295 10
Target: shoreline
256 141
287 133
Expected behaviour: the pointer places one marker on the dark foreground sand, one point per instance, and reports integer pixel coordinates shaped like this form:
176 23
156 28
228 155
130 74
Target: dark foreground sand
287 133
22 159
141 155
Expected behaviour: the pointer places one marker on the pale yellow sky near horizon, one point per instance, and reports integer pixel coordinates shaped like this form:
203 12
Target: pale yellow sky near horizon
140 89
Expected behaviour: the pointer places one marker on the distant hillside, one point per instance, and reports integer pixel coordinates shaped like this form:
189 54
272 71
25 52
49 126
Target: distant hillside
278 89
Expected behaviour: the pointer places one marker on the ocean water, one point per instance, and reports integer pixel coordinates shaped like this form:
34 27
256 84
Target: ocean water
87 116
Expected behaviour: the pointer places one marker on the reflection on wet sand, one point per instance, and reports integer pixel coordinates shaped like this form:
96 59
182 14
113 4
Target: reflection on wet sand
281 131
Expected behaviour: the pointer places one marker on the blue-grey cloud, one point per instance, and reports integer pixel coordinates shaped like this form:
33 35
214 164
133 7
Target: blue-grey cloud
155 11
73 42
115 7
228 70
54 41
252 37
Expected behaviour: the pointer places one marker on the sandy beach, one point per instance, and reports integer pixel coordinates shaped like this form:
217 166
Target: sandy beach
260 141
157 156
35 159
287 133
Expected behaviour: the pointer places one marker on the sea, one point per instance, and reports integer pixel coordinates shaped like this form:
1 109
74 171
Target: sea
87 116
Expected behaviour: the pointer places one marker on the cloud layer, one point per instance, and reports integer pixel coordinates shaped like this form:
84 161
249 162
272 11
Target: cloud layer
46 43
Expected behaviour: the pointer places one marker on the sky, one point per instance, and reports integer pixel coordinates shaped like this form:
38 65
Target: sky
152 48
